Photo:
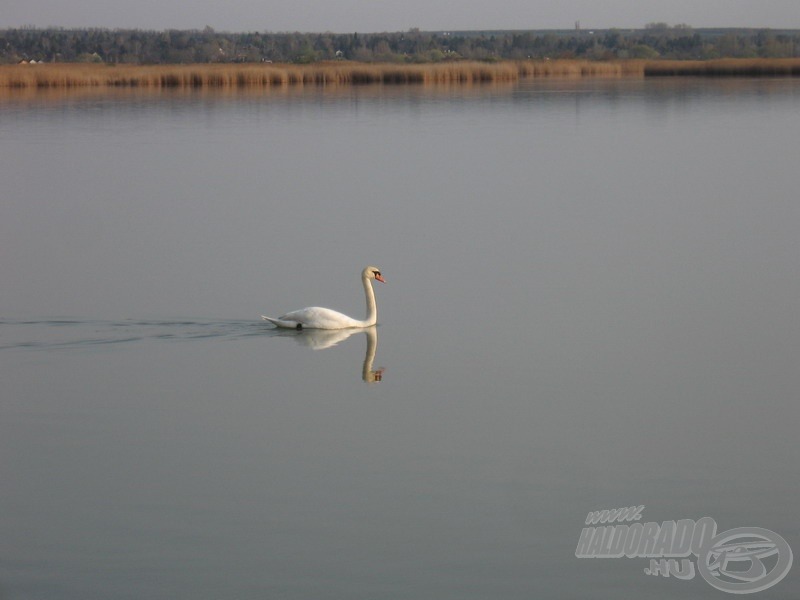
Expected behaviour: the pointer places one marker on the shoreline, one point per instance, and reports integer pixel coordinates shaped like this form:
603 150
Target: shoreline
264 75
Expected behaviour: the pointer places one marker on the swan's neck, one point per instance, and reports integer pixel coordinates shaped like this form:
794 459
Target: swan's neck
372 309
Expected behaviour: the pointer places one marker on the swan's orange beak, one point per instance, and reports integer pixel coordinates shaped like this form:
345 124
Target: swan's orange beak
380 278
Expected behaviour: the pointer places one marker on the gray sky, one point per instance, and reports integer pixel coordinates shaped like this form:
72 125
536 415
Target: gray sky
394 15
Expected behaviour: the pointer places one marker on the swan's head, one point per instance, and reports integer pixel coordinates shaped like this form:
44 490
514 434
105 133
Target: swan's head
373 273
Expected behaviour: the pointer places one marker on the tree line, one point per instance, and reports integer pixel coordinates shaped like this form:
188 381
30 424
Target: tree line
656 40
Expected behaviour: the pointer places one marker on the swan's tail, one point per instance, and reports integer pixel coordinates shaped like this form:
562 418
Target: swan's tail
283 324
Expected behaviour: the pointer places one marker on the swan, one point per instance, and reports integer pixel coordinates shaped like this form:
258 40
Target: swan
315 317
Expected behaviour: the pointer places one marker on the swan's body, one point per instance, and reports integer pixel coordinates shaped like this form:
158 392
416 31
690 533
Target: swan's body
316 317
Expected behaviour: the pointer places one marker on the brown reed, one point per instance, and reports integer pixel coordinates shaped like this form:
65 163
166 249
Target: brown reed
728 67
220 76
257 75
351 73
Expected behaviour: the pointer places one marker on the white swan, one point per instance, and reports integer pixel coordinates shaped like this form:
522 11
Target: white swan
315 317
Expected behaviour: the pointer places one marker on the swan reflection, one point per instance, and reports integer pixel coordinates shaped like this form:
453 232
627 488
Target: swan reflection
320 339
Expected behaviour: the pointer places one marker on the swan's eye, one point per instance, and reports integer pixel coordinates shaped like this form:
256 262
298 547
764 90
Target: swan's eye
376 273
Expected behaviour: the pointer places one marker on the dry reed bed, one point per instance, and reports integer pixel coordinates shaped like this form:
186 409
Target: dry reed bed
579 68
240 76
339 73
730 67
346 73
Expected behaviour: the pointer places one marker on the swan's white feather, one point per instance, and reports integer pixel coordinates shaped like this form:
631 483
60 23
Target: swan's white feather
316 317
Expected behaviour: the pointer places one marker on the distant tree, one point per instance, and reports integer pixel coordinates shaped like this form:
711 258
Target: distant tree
208 45
642 51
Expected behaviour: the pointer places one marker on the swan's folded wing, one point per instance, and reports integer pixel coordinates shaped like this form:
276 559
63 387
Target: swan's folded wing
281 322
317 317
314 317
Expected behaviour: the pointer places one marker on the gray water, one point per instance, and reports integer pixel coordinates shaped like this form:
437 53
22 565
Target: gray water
592 302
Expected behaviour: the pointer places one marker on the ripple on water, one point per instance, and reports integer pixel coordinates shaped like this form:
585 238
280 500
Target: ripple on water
64 333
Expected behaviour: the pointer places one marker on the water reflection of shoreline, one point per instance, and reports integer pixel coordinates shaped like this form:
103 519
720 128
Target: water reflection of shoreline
320 339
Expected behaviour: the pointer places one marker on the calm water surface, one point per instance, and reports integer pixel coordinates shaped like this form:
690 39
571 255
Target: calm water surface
593 302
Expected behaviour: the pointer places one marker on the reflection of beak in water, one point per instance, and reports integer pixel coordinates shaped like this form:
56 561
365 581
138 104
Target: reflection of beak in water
320 339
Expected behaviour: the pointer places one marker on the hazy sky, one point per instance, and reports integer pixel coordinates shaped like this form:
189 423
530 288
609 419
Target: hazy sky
394 15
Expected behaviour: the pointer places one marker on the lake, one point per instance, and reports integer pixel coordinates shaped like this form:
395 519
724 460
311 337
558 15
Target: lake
592 303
